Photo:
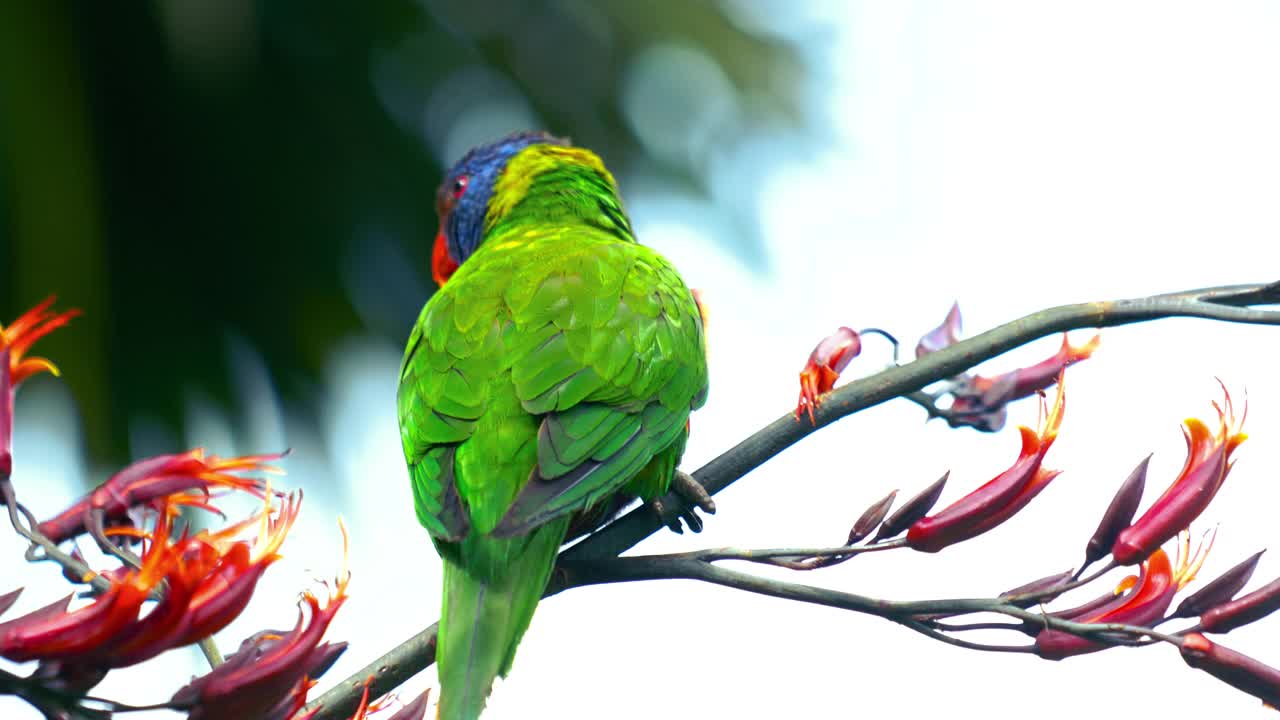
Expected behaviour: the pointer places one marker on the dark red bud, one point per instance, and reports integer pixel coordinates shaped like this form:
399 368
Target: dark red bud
1040 590
8 599
1235 669
871 518
323 658
1243 610
914 509
69 678
1119 514
416 710
1221 590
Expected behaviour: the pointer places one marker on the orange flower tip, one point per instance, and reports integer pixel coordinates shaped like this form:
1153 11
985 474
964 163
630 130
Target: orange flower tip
1196 642
344 575
1081 352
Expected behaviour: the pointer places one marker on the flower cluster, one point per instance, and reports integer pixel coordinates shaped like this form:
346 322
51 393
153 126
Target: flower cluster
182 588
1141 602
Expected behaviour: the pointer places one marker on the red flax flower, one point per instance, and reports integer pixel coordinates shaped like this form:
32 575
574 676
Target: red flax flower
184 479
1207 465
18 338
270 671
826 362
1147 599
978 395
1004 495
52 633
209 579
15 341
227 583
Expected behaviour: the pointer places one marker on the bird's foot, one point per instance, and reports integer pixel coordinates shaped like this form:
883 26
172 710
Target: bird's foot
688 489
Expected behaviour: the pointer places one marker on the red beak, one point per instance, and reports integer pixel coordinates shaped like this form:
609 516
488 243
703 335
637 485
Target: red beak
442 264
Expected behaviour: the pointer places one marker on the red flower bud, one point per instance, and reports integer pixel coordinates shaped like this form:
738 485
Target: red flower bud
1235 669
826 362
1000 498
1208 462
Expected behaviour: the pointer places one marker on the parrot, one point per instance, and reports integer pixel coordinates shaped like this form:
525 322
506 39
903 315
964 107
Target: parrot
552 373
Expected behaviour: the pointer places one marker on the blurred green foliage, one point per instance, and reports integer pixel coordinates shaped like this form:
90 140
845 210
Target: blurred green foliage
199 175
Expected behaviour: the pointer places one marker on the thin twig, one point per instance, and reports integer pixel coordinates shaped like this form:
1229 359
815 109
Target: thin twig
718 554
926 629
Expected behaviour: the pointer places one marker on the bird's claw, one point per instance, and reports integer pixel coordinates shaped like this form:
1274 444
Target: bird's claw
688 489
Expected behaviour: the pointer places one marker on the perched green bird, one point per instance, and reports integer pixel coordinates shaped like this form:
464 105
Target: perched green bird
554 370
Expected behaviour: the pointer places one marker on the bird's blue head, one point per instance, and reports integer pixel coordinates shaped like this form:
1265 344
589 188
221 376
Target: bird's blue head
463 198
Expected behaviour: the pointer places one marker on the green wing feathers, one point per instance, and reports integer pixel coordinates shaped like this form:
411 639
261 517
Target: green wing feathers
568 356
556 368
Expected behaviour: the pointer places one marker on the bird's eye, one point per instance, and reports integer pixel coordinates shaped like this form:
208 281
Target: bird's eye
460 186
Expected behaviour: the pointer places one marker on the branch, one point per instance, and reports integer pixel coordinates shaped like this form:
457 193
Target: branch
907 612
1226 303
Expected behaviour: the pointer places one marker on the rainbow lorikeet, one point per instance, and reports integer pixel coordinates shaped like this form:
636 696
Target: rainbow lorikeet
553 373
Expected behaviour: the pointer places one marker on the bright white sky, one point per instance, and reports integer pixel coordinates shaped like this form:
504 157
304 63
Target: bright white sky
1011 156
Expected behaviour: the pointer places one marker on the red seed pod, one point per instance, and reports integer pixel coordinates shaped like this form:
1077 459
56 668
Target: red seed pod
1243 610
1118 515
914 509
1235 669
1220 590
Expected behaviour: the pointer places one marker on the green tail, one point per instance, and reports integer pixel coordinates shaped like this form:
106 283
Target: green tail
483 620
